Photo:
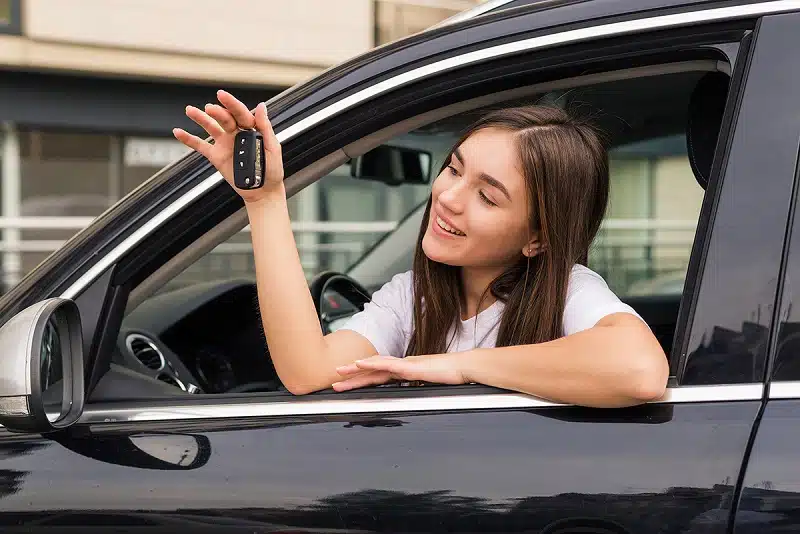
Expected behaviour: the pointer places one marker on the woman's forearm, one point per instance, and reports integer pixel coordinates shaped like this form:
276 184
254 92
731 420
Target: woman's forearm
616 363
290 320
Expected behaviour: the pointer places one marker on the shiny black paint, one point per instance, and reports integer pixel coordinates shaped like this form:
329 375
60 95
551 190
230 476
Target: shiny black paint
786 360
741 263
493 27
770 502
770 497
650 469
488 30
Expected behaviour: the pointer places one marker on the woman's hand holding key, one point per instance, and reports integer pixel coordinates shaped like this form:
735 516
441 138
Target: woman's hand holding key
222 122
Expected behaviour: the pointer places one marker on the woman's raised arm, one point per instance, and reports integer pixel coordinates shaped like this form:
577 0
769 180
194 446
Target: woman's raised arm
304 359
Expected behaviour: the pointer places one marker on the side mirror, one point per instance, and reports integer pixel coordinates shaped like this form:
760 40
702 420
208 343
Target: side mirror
41 368
393 165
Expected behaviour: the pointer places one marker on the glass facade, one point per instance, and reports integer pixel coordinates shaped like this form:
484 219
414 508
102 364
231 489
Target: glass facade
75 176
10 16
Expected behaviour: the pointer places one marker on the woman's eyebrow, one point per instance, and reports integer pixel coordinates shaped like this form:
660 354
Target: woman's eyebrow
459 156
494 182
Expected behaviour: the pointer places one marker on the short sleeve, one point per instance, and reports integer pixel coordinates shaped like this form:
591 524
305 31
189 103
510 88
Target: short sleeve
386 319
589 299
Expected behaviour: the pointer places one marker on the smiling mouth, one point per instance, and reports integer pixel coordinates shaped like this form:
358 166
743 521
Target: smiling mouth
447 228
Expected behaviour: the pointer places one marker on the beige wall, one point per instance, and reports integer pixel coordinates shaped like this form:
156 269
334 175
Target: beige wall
260 42
310 32
266 43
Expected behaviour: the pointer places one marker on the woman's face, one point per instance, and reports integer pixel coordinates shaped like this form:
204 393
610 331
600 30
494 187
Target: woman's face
479 208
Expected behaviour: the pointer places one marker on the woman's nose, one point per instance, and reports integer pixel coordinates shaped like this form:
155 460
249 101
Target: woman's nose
452 197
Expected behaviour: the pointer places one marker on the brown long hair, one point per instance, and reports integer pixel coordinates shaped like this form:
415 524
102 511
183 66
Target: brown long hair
565 166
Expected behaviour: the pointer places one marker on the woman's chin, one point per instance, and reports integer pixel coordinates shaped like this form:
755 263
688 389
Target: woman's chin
435 251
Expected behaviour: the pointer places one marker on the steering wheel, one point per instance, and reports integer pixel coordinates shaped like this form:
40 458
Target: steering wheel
342 284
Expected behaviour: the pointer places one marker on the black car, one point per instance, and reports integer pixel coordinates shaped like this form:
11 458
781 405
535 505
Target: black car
132 399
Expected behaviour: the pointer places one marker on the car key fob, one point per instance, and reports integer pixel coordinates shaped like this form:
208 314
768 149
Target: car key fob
248 160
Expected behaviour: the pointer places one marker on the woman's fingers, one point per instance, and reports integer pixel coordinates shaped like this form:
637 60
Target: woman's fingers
274 163
442 369
367 379
244 118
204 121
384 363
264 126
370 363
223 117
193 142
349 369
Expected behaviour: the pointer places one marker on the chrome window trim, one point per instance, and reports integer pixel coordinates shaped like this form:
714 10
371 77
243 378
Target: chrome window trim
532 43
569 36
784 389
388 404
138 235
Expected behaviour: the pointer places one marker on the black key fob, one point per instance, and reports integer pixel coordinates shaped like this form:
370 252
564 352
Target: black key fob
248 160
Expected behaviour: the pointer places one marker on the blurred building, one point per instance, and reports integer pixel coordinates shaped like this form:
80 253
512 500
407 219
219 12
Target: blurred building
90 89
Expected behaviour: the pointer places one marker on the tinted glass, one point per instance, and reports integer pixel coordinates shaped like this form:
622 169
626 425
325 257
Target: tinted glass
787 353
736 299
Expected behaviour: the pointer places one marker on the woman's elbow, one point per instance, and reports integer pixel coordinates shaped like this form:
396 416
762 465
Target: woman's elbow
647 364
304 385
650 384
298 389
649 378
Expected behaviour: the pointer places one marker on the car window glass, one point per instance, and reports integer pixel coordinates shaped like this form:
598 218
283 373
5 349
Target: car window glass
643 246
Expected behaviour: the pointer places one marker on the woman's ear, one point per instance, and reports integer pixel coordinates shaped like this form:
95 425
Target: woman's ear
533 247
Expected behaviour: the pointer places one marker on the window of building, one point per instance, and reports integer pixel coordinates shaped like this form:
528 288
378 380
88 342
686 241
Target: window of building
10 16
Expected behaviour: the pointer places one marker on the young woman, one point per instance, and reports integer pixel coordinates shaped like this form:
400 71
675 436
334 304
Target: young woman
499 293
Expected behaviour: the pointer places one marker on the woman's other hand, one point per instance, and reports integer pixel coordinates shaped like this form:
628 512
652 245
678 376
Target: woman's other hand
222 122
376 370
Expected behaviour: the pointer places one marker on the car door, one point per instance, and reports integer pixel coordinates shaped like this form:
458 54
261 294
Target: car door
467 458
770 483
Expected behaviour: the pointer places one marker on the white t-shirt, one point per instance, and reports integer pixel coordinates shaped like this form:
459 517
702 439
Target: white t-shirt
387 320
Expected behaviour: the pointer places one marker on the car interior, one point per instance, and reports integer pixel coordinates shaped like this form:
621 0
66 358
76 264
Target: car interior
207 338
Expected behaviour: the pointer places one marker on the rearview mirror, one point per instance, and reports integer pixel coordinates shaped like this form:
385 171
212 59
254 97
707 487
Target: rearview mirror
41 368
393 165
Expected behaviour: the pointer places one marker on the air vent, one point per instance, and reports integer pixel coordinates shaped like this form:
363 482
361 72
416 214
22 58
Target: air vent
144 350
169 379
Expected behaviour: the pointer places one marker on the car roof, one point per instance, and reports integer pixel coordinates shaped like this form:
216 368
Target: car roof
496 20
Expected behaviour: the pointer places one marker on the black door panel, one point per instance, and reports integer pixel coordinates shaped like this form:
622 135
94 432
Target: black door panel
657 468
770 502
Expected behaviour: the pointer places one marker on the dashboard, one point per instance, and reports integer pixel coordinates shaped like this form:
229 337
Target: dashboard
208 337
